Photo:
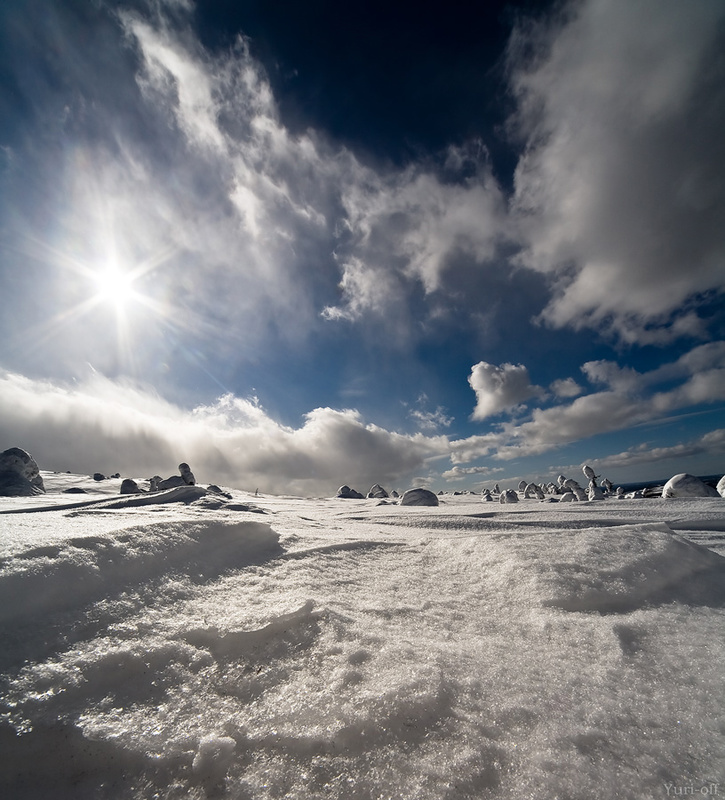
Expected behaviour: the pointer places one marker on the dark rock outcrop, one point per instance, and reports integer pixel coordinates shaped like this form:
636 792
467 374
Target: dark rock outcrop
129 486
20 474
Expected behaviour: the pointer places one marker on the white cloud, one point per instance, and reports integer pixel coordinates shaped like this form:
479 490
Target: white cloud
617 196
108 427
405 226
612 375
430 420
499 388
631 399
459 473
567 387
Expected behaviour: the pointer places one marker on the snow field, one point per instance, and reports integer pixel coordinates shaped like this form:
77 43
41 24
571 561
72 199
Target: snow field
367 652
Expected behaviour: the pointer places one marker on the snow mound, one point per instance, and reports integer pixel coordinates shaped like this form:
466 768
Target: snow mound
684 485
79 570
633 567
419 497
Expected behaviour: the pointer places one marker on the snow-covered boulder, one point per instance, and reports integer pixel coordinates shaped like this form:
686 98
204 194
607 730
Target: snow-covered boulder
419 497
20 474
721 486
595 493
171 482
589 474
509 496
377 491
567 497
187 474
684 485
349 494
572 486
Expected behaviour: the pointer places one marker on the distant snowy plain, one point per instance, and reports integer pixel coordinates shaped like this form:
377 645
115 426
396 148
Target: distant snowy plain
270 647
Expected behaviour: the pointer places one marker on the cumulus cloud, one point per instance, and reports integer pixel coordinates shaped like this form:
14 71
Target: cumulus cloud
630 399
106 426
566 387
622 106
499 388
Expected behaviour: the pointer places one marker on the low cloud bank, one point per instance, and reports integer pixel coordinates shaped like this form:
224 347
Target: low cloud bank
108 427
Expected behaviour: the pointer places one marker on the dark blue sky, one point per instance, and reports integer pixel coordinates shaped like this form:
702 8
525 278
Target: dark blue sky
365 241
392 80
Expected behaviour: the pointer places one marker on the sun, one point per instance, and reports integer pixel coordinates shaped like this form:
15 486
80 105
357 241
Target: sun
114 285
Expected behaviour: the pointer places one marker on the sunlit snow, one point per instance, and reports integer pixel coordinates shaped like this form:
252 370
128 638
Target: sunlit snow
268 647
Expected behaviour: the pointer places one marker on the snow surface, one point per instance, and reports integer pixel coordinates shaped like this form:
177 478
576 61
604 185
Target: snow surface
271 647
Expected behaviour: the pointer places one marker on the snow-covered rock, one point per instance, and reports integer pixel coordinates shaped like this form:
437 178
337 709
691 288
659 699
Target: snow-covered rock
684 485
187 474
184 478
721 486
595 493
349 494
170 483
19 473
509 496
377 491
567 497
419 497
